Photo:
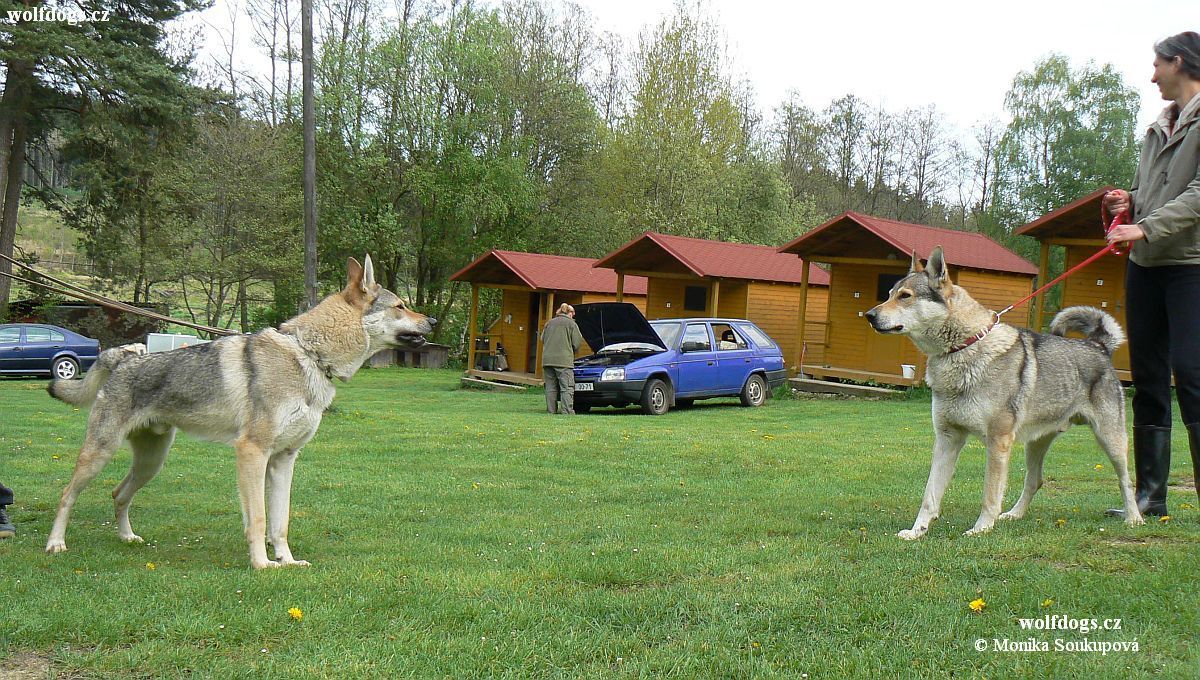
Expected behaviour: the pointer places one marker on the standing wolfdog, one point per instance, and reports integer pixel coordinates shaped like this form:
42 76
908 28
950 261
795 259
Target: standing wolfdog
263 393
1004 385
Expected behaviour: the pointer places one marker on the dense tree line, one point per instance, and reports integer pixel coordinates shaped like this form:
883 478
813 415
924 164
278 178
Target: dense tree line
447 127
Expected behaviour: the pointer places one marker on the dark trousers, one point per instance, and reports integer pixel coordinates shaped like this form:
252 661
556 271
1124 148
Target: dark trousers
1162 318
6 495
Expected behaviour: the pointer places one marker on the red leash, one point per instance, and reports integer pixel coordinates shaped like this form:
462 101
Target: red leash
1121 218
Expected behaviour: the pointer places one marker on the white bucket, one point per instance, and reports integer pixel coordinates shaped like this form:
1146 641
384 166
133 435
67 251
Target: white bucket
908 370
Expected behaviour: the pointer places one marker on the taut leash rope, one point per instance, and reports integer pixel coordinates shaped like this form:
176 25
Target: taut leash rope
1121 218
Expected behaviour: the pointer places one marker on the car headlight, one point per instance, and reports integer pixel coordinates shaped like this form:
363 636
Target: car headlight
613 374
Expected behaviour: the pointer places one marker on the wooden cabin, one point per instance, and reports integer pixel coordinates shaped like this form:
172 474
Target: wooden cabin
698 277
533 285
867 255
1079 228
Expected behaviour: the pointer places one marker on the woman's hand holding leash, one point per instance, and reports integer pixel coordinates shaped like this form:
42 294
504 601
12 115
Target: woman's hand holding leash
1118 202
1126 233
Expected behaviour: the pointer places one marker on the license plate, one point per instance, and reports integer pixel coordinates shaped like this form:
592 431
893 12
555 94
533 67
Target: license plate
583 387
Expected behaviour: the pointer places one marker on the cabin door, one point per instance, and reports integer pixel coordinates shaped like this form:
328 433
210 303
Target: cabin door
884 353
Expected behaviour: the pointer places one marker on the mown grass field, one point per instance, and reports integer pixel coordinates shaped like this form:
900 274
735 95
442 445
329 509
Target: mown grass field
463 533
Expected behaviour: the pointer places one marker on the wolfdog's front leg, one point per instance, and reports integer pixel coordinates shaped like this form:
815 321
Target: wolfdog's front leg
279 499
995 478
252 472
947 444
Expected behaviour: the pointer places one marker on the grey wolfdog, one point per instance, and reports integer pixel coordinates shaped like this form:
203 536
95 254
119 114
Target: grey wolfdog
264 394
1003 385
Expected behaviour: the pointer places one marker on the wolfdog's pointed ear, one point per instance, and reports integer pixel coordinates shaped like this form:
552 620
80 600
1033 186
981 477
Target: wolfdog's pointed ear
354 291
916 267
936 270
368 274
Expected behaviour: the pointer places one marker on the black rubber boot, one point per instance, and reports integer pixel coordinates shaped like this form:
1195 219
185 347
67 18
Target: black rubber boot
1152 462
6 527
1194 440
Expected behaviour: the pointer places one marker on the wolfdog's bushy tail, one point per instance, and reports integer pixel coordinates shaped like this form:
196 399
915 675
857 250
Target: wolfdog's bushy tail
1097 325
83 392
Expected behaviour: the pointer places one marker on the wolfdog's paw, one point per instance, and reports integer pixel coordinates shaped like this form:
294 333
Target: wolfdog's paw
1012 514
56 546
977 530
1135 521
269 564
133 348
132 538
294 563
910 535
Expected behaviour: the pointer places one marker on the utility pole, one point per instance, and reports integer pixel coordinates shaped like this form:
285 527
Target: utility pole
310 158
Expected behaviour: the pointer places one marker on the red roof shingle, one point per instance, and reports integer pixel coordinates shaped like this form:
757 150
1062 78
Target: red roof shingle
719 259
962 249
548 272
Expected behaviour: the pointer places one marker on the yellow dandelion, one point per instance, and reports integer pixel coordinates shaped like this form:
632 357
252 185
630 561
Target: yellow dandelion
1099 466
768 437
755 645
1186 506
1060 522
1047 602
150 566
295 613
1164 519
977 605
54 457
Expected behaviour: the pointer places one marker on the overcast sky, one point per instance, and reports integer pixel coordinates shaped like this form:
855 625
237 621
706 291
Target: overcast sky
959 56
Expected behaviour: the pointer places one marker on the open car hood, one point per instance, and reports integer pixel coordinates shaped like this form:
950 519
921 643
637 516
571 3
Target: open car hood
608 323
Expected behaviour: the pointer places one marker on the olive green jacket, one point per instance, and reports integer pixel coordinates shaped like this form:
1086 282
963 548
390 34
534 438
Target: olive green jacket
560 341
1166 191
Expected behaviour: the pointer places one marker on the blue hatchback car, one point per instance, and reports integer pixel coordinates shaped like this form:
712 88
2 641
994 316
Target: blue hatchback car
671 362
42 349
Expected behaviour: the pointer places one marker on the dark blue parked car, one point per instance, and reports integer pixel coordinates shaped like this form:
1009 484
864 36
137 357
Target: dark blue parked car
42 349
671 362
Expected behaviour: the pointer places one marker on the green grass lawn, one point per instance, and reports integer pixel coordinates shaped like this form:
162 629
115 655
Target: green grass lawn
464 533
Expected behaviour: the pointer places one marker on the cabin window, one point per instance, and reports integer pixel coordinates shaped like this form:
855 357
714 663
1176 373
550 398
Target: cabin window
695 298
884 285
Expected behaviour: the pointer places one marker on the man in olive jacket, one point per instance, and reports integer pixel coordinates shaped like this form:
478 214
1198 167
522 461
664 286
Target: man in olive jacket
560 341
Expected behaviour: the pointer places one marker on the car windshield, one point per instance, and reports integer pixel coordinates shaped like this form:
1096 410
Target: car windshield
630 347
669 332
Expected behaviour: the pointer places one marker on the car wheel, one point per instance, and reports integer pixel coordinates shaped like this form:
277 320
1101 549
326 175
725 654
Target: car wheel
656 397
754 392
65 368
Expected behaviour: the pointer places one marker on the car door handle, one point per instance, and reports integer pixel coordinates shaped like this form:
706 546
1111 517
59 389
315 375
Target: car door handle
711 363
747 359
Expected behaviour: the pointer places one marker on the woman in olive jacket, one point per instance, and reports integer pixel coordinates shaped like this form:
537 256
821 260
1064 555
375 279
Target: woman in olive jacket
1162 283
